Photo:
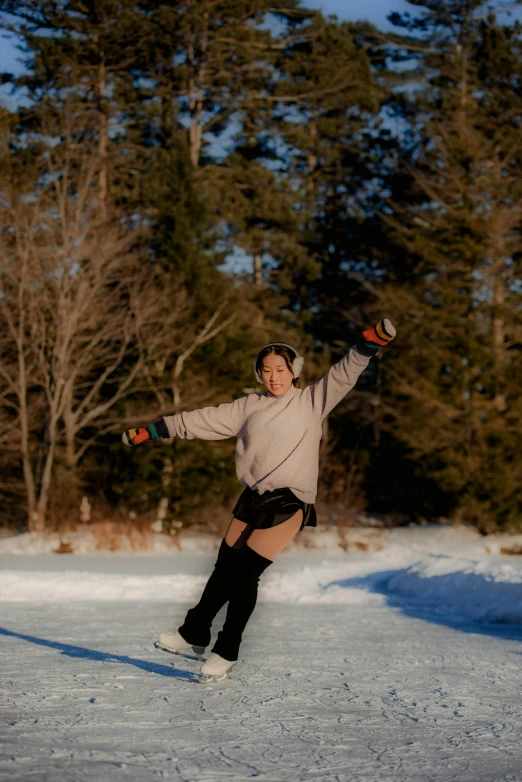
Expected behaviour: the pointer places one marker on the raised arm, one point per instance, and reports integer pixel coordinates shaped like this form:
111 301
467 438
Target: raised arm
208 423
341 378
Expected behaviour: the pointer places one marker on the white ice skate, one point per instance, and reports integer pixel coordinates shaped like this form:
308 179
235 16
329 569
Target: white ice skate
176 644
216 668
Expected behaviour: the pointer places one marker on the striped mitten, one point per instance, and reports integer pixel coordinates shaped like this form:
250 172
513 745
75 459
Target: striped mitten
372 340
146 434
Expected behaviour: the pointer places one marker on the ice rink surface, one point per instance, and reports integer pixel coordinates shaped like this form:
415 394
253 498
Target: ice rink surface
362 686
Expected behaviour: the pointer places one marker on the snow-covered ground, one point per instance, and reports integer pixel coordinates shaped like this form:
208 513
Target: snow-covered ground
398 663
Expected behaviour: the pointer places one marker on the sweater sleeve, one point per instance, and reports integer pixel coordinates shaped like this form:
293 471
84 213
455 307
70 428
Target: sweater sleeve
208 423
341 378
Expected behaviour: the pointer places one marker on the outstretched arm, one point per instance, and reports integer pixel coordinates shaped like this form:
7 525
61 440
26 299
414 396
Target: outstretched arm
208 423
341 378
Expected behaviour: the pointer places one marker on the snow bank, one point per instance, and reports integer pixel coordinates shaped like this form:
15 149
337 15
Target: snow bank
463 588
71 586
452 571
325 539
84 541
503 544
310 584
452 586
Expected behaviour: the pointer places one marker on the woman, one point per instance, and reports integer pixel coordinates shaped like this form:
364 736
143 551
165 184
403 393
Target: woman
277 457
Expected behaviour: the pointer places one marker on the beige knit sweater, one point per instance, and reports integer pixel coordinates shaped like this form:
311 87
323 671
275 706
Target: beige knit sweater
277 437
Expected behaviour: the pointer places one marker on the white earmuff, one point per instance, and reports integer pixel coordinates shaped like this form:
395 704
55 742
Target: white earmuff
297 366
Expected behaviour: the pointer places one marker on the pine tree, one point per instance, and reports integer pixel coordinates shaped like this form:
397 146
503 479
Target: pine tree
206 71
455 269
323 104
74 55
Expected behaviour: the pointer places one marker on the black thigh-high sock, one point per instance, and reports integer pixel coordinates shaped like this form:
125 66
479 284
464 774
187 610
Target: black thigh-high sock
198 621
243 597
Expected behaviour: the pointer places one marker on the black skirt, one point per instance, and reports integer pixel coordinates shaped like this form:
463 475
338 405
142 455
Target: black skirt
263 511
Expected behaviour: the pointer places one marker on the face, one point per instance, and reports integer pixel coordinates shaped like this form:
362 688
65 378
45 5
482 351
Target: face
276 375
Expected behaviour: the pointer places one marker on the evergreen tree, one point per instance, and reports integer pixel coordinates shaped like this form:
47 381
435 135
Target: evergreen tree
204 61
81 50
324 101
455 269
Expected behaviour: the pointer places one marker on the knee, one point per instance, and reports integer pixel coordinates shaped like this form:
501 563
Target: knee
227 556
248 568
253 565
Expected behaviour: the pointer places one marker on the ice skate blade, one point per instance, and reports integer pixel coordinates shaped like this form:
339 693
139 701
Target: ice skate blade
206 679
195 654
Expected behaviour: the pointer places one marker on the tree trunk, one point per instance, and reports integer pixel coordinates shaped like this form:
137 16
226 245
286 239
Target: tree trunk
258 271
195 130
102 142
32 521
43 498
376 402
310 185
196 88
498 336
68 422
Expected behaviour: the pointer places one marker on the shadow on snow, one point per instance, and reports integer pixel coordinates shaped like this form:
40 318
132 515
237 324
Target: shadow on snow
378 583
104 657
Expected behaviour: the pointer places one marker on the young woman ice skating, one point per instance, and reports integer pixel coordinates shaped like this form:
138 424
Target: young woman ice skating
277 456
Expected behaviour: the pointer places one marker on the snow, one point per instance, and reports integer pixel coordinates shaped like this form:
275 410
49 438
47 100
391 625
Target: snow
463 588
442 568
327 539
403 661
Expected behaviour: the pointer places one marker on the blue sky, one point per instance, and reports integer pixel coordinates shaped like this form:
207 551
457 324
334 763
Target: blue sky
374 11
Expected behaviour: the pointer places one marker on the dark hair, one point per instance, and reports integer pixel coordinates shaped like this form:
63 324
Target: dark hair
279 350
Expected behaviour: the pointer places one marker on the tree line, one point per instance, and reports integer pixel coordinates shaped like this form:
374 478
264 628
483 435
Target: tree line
182 182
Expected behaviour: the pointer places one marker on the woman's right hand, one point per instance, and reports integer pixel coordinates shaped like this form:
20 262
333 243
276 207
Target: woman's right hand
142 435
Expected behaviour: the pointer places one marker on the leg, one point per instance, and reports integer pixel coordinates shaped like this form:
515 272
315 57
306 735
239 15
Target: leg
198 621
243 597
270 542
238 533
